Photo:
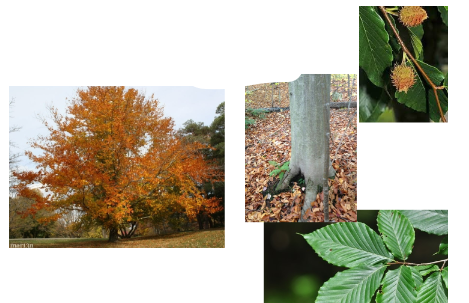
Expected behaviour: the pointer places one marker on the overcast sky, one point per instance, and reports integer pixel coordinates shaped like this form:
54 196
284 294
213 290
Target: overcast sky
180 103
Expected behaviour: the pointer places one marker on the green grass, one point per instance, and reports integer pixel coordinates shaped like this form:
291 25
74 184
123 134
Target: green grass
202 238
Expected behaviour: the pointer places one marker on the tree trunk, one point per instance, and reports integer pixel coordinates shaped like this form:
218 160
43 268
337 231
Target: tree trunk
308 96
200 221
210 222
113 234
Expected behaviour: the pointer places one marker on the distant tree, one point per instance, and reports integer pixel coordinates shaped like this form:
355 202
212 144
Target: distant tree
13 157
217 140
210 193
114 157
24 225
196 132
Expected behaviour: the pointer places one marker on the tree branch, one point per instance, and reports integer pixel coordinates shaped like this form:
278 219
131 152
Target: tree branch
434 87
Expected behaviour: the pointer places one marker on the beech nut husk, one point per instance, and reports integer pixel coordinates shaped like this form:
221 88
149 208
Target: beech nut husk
403 77
412 16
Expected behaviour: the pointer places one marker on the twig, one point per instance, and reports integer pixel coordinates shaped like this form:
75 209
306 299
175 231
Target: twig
443 265
406 263
279 96
272 94
434 87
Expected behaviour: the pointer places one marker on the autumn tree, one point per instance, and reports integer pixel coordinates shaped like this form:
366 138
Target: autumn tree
308 97
114 157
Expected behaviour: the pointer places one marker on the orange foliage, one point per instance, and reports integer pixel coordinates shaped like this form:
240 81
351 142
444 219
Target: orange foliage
116 157
195 202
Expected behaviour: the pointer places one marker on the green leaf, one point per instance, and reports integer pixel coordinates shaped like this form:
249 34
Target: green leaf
397 232
275 172
348 244
416 34
375 51
444 13
398 286
426 269
432 290
418 279
416 97
285 165
432 72
443 249
444 275
395 46
417 30
372 100
434 111
273 163
437 77
387 116
430 221
281 175
353 285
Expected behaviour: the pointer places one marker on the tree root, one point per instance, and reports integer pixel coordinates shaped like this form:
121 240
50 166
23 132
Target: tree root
312 188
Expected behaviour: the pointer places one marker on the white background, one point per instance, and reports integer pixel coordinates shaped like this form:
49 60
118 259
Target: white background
220 45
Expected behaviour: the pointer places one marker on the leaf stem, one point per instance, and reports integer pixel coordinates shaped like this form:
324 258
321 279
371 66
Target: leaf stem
407 263
434 87
392 11
443 265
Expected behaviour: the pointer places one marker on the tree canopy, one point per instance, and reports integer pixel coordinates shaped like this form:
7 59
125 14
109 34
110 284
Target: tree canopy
115 157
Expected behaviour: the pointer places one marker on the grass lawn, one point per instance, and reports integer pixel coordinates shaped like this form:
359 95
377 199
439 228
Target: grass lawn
201 238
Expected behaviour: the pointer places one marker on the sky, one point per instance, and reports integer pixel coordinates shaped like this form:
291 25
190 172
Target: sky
30 102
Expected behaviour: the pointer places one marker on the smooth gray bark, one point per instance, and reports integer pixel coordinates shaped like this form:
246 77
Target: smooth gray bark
308 96
327 162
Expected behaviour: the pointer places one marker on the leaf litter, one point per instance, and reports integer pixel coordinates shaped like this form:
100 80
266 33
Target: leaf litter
269 140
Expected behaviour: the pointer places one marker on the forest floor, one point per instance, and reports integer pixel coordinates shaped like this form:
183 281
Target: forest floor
268 139
208 238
